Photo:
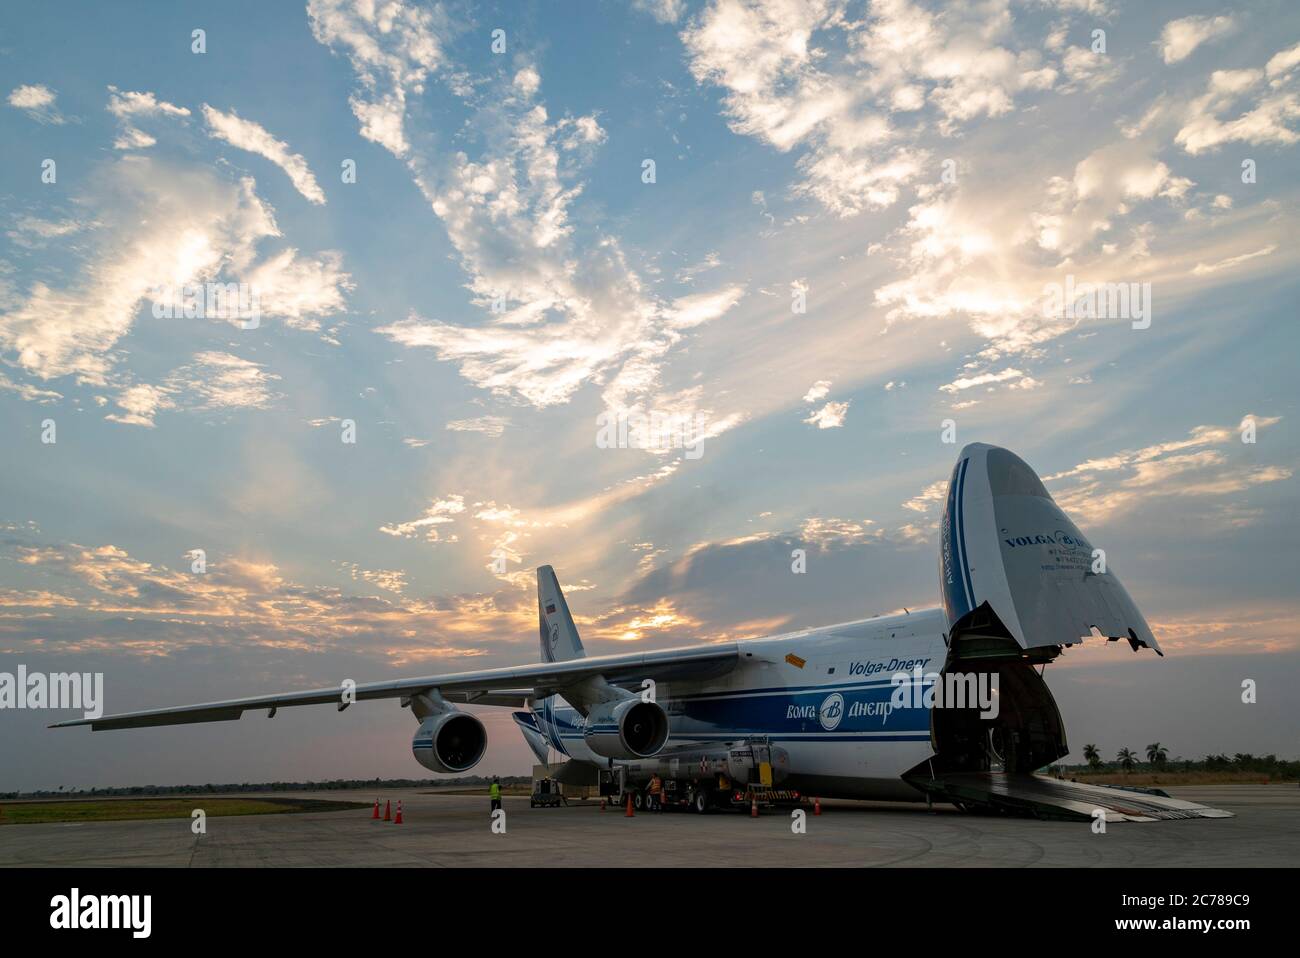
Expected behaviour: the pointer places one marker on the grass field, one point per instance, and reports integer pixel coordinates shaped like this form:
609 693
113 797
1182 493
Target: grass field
130 809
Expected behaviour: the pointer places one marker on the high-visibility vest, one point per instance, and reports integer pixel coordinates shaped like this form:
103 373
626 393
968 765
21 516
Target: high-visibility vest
495 790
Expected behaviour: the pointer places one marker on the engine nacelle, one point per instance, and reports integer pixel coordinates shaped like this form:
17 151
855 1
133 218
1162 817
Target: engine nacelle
450 741
628 729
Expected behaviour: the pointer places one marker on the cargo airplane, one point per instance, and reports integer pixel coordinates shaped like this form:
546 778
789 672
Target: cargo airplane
812 711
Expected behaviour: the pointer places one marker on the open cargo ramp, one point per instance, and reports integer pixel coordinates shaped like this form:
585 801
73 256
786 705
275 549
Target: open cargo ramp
1037 796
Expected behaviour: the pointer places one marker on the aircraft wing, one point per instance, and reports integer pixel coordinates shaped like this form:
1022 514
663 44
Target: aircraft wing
484 687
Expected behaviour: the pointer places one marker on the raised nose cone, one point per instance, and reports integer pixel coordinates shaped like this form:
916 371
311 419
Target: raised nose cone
1004 541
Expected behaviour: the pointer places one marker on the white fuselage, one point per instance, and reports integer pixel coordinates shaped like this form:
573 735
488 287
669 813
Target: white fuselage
823 695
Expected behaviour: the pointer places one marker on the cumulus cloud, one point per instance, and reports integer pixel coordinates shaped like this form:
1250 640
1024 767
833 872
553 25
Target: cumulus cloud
214 227
211 381
218 380
250 136
1268 120
505 200
978 253
113 601
762 55
37 101
830 416
1180 37
390 580
125 104
929 498
1196 466
72 330
817 391
393 49
300 289
812 78
131 107
844 91
562 328
1104 185
139 404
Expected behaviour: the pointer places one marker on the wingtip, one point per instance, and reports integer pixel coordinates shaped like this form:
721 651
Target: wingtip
72 723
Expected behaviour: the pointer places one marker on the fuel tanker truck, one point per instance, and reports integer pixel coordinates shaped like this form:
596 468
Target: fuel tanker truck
700 777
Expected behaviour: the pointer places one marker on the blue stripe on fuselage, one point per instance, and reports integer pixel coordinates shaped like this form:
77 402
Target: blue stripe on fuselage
851 712
961 532
956 597
551 726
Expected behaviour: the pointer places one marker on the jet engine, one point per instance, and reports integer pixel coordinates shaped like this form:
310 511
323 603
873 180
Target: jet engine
449 741
626 729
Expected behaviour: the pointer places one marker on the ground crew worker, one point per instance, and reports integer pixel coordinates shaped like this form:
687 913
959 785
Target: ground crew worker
656 794
494 792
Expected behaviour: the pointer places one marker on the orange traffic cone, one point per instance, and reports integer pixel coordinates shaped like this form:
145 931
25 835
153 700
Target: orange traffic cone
375 816
398 819
753 806
817 806
629 813
602 804
388 809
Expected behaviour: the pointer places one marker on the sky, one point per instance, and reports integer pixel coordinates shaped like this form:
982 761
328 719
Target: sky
802 236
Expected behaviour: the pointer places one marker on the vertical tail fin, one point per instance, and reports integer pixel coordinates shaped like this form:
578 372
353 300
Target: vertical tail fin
559 635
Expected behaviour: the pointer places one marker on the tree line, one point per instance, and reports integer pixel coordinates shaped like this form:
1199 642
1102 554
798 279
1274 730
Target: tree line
1157 759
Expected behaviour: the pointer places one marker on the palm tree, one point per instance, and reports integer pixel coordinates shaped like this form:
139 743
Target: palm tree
1126 758
1092 756
1157 754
